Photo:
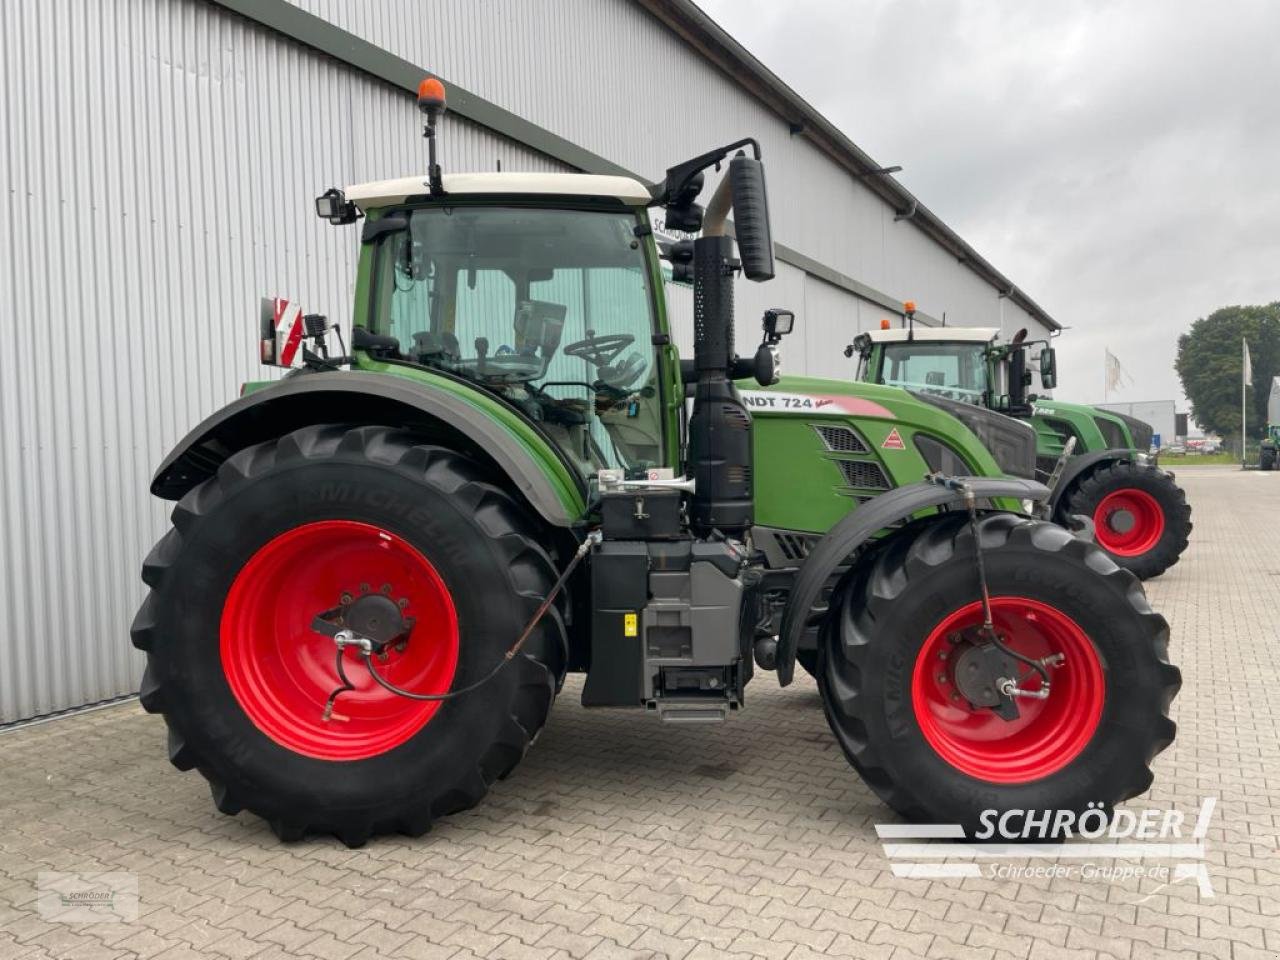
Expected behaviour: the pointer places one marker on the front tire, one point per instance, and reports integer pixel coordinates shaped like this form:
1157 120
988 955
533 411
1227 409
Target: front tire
888 683
288 528
1141 518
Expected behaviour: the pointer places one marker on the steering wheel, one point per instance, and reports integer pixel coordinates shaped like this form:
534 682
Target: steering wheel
599 351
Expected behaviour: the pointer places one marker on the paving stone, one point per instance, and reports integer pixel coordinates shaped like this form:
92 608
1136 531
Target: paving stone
623 838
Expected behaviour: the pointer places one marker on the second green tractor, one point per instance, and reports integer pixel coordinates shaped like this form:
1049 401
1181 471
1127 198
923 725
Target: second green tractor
1097 462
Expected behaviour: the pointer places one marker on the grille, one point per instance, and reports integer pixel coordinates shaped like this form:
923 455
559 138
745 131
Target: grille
863 474
794 546
1141 430
1112 433
841 439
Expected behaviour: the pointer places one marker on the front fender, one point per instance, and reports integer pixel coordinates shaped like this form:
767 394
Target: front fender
859 527
336 397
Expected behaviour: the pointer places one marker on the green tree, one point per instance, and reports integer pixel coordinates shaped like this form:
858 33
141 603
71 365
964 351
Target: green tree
1209 364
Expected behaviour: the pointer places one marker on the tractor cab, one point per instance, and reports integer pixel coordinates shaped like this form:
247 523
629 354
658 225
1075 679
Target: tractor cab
964 364
550 303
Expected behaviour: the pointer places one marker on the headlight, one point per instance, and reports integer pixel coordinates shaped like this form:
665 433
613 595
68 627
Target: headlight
1012 443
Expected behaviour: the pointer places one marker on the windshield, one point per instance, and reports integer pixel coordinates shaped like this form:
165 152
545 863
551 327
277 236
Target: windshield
551 309
954 370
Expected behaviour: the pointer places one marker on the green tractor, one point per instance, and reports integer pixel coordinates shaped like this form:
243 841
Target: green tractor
1097 462
1268 447
382 566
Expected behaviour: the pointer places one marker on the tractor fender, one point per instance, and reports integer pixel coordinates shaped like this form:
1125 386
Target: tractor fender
375 398
860 526
1077 467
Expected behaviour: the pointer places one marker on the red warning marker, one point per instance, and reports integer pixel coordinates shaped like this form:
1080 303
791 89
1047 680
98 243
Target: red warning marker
893 441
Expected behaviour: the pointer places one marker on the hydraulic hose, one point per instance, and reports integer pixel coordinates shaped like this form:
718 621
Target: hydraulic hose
345 638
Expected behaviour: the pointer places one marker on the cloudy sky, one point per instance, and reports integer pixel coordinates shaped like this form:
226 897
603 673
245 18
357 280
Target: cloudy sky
1119 161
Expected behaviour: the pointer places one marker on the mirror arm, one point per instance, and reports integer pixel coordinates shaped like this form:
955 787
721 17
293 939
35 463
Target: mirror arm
670 186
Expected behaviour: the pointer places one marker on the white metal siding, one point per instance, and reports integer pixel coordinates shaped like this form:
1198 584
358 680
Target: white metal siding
161 159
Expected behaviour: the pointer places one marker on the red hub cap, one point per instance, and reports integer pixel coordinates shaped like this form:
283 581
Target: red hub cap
282 672
1128 522
1048 734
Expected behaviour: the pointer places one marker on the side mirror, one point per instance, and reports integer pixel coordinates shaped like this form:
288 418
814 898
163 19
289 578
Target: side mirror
778 322
1048 368
768 364
751 217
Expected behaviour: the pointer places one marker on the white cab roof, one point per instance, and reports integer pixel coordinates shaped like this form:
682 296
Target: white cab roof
935 334
384 192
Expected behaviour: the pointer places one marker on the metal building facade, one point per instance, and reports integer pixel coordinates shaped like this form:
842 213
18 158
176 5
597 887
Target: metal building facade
161 158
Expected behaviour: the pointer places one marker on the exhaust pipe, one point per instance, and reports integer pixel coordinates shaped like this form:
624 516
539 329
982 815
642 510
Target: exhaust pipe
719 457
720 443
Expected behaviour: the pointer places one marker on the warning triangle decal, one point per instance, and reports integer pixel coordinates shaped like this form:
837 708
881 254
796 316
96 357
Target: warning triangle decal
893 441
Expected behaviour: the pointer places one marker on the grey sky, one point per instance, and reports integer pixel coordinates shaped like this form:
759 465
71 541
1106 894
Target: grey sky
1119 161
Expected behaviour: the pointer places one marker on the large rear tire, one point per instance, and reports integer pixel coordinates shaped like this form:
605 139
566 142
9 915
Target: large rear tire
288 528
888 682
1141 517
1267 458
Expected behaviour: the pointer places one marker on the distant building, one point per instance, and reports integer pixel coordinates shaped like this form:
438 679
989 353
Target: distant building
1273 401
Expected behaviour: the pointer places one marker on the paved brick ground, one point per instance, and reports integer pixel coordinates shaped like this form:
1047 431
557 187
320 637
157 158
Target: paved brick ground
621 838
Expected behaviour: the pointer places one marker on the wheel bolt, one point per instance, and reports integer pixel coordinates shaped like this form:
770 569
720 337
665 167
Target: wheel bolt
364 588
402 603
345 598
942 678
386 589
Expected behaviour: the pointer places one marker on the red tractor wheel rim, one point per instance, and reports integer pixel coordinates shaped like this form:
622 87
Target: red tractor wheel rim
282 672
1048 734
1128 522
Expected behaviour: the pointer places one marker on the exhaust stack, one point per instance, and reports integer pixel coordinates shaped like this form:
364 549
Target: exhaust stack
720 443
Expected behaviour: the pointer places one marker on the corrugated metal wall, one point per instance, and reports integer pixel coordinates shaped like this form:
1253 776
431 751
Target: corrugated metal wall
161 157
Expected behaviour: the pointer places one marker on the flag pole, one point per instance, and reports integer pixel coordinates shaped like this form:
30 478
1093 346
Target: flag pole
1244 374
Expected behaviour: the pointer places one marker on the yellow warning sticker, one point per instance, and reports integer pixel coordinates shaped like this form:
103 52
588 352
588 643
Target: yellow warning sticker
630 625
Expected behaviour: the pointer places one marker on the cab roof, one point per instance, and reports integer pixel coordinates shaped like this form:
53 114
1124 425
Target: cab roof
935 334
381 193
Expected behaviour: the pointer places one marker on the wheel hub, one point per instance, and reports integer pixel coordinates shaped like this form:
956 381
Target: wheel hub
980 673
1121 521
373 616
